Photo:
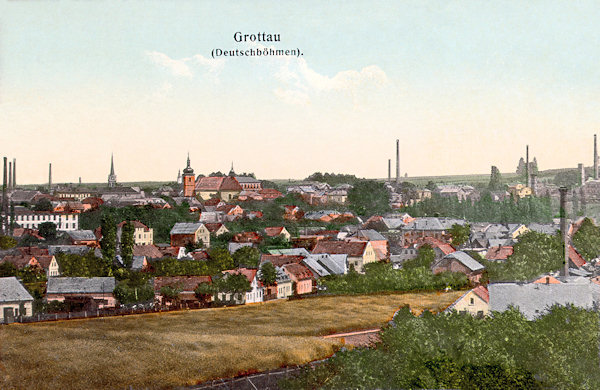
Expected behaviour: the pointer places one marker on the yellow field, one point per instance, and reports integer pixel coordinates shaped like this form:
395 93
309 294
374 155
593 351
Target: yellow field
183 348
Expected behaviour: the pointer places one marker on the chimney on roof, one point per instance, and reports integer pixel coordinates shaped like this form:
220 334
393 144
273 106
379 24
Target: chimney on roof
595 159
14 173
389 170
397 161
581 170
563 228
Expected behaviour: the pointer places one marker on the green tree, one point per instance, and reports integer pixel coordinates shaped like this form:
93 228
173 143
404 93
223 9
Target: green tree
127 242
247 256
495 179
43 205
220 259
170 293
87 265
460 233
7 242
368 198
47 230
109 239
268 274
127 293
424 259
8 269
587 240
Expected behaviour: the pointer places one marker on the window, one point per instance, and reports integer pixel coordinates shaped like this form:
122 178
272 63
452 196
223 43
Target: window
472 301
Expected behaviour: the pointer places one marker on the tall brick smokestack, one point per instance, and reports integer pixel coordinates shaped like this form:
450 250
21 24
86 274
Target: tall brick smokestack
595 159
4 200
581 171
14 173
397 161
49 177
564 228
10 184
527 166
389 170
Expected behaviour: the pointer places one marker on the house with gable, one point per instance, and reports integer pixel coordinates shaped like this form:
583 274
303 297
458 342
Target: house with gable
225 187
284 284
15 300
475 302
379 243
359 253
300 275
142 235
460 261
184 233
82 293
275 231
256 292
216 228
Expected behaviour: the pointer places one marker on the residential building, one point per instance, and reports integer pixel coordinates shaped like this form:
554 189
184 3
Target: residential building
15 300
459 261
475 302
276 231
255 294
300 275
225 187
359 253
30 219
142 234
82 293
83 237
216 228
187 284
284 284
249 183
184 233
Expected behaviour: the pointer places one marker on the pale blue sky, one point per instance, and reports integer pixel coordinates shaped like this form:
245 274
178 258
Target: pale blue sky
464 85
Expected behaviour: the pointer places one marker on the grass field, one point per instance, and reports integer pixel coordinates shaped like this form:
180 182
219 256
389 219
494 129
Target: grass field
183 348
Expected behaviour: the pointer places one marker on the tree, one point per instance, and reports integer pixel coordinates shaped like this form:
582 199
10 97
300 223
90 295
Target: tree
7 242
495 179
431 186
587 240
369 197
170 293
43 205
127 242
460 234
8 269
109 239
268 274
126 292
247 256
425 257
220 259
47 230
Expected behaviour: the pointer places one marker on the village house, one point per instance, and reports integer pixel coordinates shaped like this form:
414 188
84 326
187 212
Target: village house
15 300
184 233
292 213
459 261
300 275
82 293
276 231
225 187
475 302
255 294
325 264
380 243
142 234
83 237
213 204
499 253
249 183
148 251
284 284
423 227
270 194
216 228
281 260
21 261
252 237
360 253
231 212
187 284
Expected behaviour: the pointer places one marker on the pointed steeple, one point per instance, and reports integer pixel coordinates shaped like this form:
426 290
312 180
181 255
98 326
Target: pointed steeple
188 171
112 165
232 172
112 178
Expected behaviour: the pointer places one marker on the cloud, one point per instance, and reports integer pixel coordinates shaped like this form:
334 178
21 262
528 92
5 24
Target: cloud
292 97
183 67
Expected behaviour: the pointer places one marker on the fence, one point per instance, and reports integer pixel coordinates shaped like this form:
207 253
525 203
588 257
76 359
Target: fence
41 317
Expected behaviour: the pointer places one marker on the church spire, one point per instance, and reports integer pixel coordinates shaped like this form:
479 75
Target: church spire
112 165
112 178
232 172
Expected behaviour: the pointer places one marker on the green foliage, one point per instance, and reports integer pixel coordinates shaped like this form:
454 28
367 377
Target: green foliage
380 277
460 234
47 230
43 205
171 292
526 210
332 179
126 293
205 289
8 269
7 242
127 243
87 265
173 267
568 178
369 197
109 239
32 274
220 259
587 240
459 351
246 256
425 257
268 274
220 241
534 254
277 242
232 283
495 180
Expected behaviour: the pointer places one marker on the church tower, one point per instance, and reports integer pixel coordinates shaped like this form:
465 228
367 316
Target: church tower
189 184
112 178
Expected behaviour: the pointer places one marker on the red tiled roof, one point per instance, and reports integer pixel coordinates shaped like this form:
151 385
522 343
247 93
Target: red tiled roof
299 271
575 257
20 261
213 227
249 273
213 183
188 283
33 250
199 255
227 208
273 231
482 292
44 261
247 237
279 260
212 202
150 251
136 224
499 252
350 248
270 193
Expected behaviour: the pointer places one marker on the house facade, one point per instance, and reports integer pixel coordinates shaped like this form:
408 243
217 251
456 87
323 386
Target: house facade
226 187
184 233
82 293
15 300
359 253
475 302
143 235
31 219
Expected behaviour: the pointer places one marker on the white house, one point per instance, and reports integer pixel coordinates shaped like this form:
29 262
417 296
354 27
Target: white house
31 219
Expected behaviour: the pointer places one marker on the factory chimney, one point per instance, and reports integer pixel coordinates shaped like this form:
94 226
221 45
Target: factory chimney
397 162
4 200
564 229
581 170
10 185
595 159
14 173
50 177
389 170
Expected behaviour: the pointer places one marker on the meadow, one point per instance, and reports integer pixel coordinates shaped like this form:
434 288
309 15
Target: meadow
167 350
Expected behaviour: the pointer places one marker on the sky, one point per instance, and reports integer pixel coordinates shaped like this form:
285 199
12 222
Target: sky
462 84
